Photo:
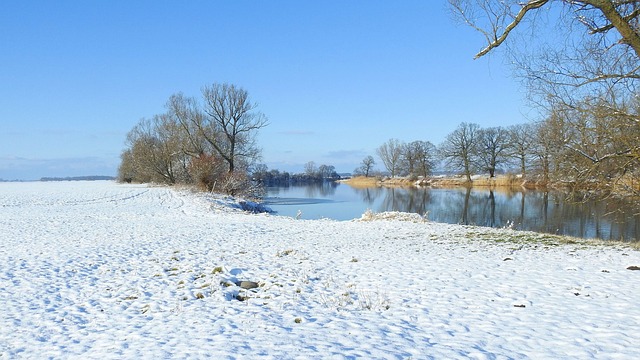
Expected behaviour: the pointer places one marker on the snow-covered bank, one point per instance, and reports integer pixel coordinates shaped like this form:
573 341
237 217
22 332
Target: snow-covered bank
102 270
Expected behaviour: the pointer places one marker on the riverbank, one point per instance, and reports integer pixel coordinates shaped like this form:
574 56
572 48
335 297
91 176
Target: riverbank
102 270
445 181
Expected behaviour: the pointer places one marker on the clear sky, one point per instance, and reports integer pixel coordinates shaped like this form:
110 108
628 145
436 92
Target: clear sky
335 78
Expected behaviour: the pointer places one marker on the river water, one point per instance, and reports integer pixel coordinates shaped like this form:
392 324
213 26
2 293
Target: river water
548 212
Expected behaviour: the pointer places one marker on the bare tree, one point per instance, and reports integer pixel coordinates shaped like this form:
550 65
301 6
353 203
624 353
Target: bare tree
491 148
230 123
328 172
391 155
600 149
458 149
521 142
549 149
587 80
598 49
543 151
153 152
409 159
420 158
310 169
366 166
187 113
496 19
189 143
127 171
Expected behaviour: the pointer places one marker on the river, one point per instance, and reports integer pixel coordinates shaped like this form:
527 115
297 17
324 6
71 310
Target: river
540 211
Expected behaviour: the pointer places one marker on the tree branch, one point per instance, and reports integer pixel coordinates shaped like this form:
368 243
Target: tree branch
595 30
531 5
628 33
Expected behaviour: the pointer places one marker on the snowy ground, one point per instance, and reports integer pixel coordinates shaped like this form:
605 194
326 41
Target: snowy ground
101 270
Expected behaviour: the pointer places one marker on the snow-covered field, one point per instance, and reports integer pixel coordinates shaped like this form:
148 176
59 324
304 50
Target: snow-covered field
103 270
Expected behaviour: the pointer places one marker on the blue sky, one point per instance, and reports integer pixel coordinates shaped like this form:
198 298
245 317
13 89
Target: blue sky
335 78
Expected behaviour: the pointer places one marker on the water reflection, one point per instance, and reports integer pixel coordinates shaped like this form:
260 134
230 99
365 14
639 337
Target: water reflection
369 195
321 190
549 212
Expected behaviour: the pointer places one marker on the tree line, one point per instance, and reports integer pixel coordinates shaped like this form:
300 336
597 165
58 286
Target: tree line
468 149
211 143
595 150
208 142
312 174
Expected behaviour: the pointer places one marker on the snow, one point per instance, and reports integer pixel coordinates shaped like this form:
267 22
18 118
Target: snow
104 270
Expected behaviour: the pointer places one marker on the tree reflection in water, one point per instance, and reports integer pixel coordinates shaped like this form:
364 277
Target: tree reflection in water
550 212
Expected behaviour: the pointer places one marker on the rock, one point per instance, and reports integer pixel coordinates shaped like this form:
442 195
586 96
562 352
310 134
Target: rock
633 267
519 305
507 259
247 284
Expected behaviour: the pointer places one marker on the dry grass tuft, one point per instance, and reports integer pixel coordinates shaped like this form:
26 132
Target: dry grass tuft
500 181
361 182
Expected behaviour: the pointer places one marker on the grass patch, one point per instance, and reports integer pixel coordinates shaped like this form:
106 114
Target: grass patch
546 240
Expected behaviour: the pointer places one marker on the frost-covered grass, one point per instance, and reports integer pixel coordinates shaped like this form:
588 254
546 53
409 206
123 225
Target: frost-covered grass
102 270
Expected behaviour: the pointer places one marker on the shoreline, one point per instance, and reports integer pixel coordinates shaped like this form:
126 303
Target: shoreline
508 181
480 181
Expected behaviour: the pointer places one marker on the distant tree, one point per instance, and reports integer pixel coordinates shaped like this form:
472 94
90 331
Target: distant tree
409 155
282 177
260 168
521 142
263 176
328 172
549 149
366 166
260 173
310 169
420 158
458 149
391 155
491 148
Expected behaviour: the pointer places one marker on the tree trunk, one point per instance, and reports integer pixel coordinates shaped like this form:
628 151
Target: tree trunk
629 35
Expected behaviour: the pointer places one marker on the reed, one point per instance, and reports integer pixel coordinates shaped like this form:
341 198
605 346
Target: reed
361 181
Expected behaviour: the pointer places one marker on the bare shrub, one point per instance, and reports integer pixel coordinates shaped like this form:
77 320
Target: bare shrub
204 171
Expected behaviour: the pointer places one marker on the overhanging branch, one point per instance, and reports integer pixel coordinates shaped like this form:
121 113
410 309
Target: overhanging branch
531 5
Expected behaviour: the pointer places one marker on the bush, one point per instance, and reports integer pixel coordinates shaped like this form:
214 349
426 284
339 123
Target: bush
237 183
205 170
